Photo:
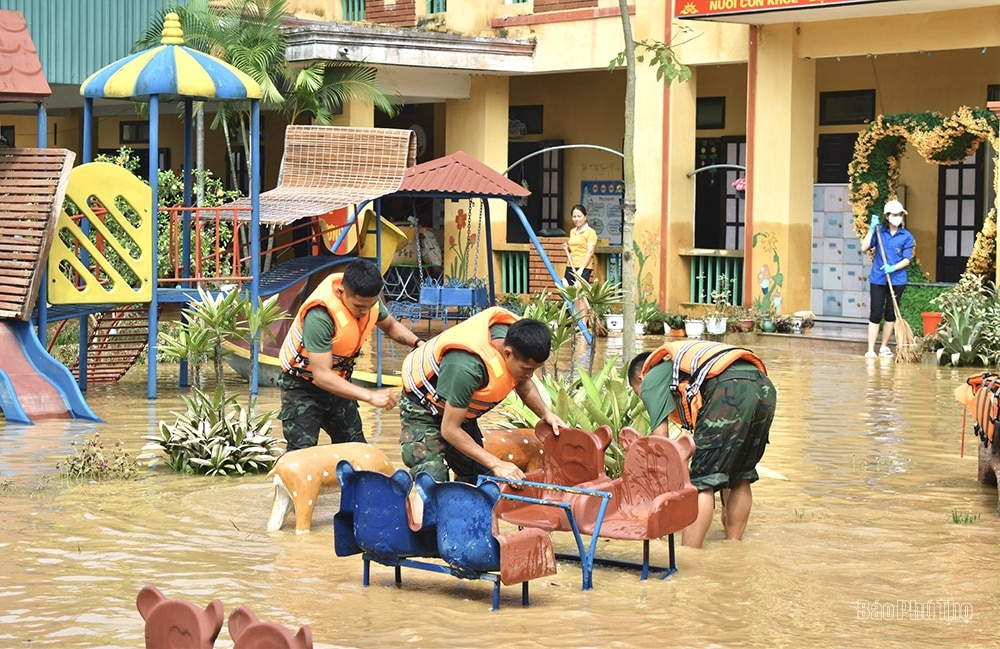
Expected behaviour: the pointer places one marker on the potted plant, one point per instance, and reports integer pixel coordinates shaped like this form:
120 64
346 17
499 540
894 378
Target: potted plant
694 328
746 320
651 317
675 323
717 315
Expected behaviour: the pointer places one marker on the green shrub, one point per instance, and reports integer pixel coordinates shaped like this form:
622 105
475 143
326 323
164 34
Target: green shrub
967 310
919 296
215 436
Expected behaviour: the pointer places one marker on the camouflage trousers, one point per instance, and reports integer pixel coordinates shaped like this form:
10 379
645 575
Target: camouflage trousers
305 409
732 429
425 450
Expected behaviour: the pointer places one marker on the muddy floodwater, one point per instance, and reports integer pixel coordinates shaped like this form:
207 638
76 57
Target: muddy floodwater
857 548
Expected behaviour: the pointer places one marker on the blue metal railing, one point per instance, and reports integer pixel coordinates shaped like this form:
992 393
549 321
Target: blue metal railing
437 6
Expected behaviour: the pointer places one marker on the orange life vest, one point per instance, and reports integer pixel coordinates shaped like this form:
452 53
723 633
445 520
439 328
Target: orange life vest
420 367
349 332
698 361
986 407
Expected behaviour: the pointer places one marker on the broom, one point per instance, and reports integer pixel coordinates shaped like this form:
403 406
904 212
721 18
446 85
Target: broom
907 349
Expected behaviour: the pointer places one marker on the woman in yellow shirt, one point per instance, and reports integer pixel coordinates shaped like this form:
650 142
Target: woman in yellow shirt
580 250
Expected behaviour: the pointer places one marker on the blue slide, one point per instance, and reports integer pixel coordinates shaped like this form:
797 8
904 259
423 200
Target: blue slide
33 384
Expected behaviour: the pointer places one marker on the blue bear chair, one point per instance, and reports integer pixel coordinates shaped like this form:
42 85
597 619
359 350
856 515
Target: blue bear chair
467 540
375 519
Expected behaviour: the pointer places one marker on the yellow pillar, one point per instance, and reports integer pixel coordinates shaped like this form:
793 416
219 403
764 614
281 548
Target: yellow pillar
477 126
781 147
676 217
356 114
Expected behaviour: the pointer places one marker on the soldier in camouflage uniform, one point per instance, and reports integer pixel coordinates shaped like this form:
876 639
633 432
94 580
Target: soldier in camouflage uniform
458 376
730 429
319 353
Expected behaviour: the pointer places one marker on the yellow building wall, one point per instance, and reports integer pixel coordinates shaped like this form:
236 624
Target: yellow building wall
477 126
578 108
62 131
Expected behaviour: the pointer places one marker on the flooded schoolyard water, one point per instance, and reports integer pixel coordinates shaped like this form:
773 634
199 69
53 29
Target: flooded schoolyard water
857 548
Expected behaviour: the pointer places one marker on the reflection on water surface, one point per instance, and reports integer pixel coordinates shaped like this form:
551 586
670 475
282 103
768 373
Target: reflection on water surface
857 548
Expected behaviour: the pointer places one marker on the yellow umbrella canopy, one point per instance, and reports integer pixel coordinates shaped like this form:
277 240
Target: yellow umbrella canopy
171 70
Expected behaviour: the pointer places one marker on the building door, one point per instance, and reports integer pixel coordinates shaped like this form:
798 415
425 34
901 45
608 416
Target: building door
960 214
542 174
720 215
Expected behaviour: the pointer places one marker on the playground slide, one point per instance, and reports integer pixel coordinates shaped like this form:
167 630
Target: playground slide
33 384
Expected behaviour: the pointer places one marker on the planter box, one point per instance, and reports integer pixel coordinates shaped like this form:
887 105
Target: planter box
614 322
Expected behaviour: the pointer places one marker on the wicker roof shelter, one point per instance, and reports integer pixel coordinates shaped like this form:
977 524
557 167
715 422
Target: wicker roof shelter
324 168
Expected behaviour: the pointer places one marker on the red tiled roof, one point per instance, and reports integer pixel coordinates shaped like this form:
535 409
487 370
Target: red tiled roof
21 75
459 173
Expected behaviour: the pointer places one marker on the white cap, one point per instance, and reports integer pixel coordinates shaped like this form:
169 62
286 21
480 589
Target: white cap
894 207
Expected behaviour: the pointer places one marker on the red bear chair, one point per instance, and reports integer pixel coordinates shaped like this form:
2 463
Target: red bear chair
653 497
176 624
571 458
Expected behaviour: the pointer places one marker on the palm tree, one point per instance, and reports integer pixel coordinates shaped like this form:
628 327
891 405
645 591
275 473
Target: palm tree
248 35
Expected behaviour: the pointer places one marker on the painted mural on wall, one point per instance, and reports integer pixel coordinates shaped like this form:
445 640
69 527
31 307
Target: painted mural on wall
644 247
768 280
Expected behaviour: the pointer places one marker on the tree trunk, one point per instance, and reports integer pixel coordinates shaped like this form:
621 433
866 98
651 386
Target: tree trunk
628 207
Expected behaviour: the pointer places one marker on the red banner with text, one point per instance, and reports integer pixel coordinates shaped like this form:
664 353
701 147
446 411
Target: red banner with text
707 8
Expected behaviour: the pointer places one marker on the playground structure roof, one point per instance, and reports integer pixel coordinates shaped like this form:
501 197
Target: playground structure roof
459 174
171 70
21 75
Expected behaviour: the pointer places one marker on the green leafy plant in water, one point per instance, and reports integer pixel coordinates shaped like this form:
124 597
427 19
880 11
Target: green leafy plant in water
92 462
602 297
965 311
215 436
556 314
964 518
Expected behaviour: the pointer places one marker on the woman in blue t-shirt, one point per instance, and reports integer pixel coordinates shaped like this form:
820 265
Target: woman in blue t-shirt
893 245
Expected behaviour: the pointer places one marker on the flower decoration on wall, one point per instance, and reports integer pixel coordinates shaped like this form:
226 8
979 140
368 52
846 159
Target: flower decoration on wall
740 184
874 171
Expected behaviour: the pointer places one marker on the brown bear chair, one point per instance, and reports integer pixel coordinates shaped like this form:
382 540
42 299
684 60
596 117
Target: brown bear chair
176 624
250 633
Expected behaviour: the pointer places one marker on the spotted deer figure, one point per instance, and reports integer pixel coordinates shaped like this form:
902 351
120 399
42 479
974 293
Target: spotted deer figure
300 476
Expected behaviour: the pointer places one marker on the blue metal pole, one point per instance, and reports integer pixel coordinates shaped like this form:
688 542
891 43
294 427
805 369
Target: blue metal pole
255 234
548 264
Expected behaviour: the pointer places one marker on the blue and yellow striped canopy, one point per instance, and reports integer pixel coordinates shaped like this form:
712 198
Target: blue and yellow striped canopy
171 70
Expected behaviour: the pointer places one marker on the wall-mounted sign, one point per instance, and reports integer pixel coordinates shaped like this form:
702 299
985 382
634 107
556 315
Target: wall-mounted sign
707 8
603 200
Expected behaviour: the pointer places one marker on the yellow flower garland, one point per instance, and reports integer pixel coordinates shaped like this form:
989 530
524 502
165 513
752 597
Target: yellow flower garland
880 147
